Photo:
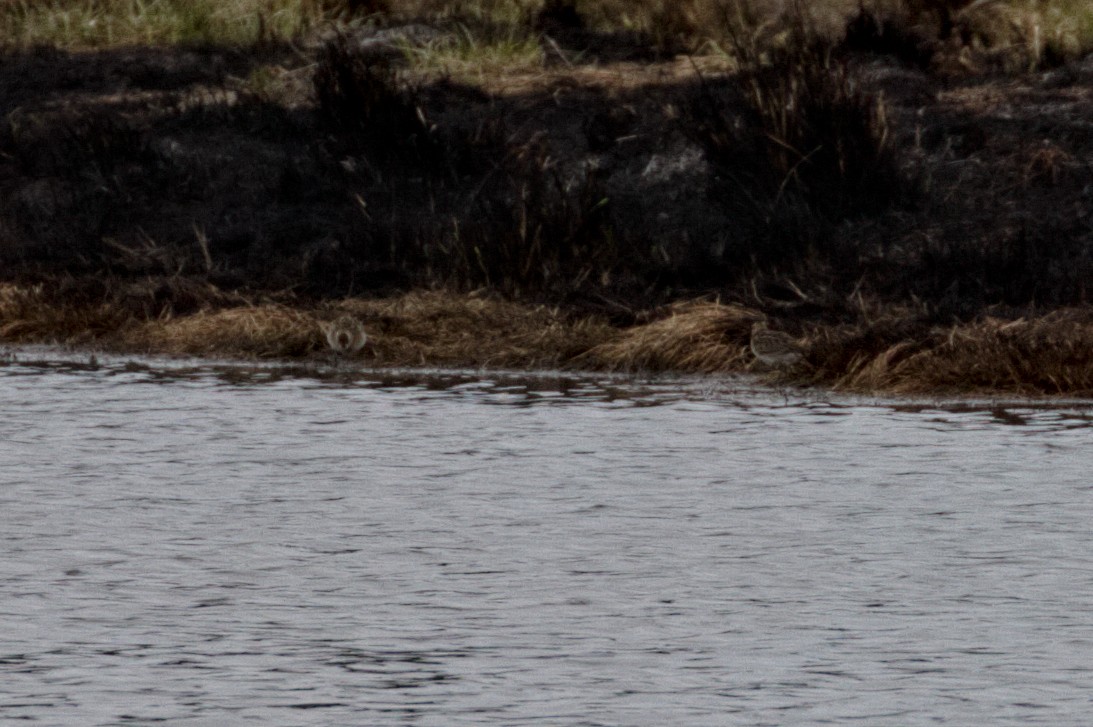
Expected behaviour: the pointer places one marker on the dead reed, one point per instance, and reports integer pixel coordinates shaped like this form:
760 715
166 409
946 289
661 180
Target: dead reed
796 144
32 314
699 337
445 329
1049 355
257 331
1044 356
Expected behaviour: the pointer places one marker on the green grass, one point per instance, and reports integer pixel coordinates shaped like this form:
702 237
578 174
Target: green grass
498 35
491 36
471 53
1045 31
107 23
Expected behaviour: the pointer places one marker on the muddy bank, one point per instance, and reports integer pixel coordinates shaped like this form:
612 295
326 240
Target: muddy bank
894 353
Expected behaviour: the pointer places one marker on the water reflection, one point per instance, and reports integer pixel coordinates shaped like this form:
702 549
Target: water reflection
214 544
524 388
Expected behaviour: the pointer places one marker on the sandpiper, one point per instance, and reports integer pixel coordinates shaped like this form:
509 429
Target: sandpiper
774 348
345 335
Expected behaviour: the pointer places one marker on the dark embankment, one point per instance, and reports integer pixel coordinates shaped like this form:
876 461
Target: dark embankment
916 215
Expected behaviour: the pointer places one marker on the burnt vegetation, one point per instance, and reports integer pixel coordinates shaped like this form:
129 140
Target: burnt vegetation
809 177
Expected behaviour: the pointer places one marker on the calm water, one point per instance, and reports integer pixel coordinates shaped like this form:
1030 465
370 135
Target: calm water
203 545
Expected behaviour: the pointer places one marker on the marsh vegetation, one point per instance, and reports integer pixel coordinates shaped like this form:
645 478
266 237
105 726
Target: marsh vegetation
902 186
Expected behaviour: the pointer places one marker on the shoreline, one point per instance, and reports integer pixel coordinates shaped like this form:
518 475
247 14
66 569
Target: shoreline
1037 357
913 214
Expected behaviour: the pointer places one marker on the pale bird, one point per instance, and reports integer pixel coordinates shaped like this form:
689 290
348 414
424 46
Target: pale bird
345 335
774 348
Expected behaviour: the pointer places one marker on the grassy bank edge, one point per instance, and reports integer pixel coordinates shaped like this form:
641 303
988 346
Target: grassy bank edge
892 353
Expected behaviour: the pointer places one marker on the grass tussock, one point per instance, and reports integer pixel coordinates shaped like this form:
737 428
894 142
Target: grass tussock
31 314
699 337
1043 356
478 50
445 329
255 331
1047 355
422 328
1019 35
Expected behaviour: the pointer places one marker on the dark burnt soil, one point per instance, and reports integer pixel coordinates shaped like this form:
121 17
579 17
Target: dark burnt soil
582 185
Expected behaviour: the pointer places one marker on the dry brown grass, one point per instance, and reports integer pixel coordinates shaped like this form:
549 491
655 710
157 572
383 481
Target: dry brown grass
1050 355
31 314
1046 356
699 337
259 331
422 328
445 329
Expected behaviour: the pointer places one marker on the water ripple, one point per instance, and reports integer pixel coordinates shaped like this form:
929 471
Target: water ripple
206 544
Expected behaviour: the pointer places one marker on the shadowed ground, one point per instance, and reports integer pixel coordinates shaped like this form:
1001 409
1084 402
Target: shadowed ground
145 192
